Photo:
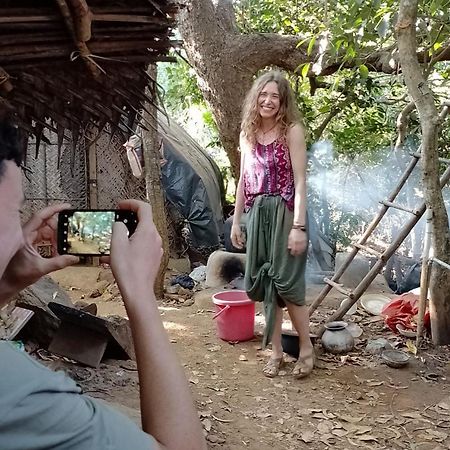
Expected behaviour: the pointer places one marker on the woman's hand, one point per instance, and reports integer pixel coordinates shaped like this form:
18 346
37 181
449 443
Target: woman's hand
297 241
237 236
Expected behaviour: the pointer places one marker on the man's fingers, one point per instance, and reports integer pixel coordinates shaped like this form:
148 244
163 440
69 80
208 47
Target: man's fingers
43 216
142 209
60 262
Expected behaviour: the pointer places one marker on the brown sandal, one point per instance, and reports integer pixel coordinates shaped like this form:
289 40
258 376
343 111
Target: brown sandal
304 366
272 367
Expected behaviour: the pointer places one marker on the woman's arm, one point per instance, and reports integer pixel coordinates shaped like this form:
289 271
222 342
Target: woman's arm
297 150
236 234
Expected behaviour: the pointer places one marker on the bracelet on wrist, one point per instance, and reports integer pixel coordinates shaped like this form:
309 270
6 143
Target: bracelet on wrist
299 227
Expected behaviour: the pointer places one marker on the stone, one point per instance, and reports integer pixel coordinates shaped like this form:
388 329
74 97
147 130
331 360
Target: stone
223 267
355 272
181 265
43 325
106 275
120 330
376 346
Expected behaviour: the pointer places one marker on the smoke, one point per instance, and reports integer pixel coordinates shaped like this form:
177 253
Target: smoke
344 194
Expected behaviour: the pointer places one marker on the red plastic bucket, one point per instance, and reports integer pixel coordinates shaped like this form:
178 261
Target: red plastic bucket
235 315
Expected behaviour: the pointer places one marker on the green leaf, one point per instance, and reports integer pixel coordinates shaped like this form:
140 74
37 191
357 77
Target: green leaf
363 71
305 69
311 45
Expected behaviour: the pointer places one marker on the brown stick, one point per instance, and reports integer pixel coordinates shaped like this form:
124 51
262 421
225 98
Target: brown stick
82 47
424 278
82 20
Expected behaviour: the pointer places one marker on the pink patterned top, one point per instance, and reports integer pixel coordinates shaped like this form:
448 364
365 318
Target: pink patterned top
268 170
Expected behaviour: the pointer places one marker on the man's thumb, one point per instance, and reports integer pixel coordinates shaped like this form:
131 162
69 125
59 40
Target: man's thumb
119 236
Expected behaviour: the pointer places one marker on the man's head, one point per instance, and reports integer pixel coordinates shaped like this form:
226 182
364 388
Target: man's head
9 149
11 195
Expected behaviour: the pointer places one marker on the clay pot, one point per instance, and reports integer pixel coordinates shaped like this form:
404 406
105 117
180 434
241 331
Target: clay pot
336 338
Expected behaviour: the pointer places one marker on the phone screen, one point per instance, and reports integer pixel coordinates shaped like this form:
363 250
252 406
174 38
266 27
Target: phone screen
88 232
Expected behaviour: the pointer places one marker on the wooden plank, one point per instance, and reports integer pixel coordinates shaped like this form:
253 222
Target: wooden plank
369 250
127 18
28 19
400 207
339 287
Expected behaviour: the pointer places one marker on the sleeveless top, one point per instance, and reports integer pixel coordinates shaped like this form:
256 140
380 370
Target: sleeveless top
268 171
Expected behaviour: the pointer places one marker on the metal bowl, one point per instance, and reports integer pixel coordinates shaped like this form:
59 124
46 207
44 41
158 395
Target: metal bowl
289 342
395 358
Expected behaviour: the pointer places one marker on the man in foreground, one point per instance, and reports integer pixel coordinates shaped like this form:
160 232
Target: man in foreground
41 409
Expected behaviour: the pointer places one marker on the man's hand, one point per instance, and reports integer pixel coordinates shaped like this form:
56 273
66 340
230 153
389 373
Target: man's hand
297 242
27 265
135 260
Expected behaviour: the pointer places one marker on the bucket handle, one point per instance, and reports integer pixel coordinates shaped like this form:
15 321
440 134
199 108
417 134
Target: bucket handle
215 316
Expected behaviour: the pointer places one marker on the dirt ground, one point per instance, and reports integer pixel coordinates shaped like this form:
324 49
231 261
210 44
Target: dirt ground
348 402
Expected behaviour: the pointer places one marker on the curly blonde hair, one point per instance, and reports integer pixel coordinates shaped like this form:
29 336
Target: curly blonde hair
288 113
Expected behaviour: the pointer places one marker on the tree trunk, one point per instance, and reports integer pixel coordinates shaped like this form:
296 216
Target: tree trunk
154 189
430 125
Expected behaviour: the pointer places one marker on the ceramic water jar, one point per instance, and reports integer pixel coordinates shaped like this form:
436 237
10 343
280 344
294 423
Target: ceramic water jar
336 338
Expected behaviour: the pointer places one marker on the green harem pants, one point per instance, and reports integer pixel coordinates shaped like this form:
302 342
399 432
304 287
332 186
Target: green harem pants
272 274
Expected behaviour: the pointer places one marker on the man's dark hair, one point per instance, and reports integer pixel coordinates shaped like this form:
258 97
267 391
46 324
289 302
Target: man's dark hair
9 145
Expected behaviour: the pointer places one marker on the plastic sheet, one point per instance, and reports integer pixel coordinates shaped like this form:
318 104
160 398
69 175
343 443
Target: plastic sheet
193 184
403 310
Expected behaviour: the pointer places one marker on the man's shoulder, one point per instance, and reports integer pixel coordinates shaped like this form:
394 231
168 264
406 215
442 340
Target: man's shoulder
21 375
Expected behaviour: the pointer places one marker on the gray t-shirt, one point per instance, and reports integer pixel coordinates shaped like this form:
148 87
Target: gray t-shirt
41 409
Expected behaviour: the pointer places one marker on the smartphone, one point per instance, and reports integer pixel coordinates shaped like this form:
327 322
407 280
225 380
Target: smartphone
88 232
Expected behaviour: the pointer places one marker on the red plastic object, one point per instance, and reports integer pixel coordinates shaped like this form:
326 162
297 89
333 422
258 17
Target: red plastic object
403 310
235 316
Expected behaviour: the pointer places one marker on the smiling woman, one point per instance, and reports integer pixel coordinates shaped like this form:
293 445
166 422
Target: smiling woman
272 190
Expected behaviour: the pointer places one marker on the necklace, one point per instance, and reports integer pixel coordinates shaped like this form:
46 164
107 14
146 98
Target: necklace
269 130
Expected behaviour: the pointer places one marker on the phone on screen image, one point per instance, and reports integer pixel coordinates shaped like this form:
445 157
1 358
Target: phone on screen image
88 232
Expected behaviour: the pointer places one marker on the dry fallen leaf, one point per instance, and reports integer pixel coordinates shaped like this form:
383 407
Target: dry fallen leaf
411 347
367 437
324 427
207 424
350 419
243 358
373 383
307 436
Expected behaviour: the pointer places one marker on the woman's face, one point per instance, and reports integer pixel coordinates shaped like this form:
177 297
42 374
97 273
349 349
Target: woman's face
269 100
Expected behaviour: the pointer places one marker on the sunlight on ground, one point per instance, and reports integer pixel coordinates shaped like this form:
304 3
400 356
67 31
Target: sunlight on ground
174 326
167 308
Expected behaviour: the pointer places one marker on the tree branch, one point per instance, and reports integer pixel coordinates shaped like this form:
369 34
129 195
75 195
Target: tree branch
402 124
335 110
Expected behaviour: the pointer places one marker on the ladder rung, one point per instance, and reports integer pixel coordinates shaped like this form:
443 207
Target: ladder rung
339 287
369 250
396 206
442 160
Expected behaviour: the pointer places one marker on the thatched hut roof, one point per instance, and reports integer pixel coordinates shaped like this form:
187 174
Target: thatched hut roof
65 64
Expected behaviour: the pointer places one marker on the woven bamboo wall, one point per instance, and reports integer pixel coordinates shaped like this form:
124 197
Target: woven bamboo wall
47 183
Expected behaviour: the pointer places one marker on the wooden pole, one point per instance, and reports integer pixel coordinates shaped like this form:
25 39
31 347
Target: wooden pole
154 191
424 276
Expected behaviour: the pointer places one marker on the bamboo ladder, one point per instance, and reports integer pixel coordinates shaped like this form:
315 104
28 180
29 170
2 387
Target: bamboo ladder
382 258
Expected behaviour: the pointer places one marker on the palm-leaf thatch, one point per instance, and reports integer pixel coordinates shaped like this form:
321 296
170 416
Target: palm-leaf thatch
67 64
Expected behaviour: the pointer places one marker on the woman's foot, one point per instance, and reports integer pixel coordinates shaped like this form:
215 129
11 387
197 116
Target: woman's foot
304 365
272 367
